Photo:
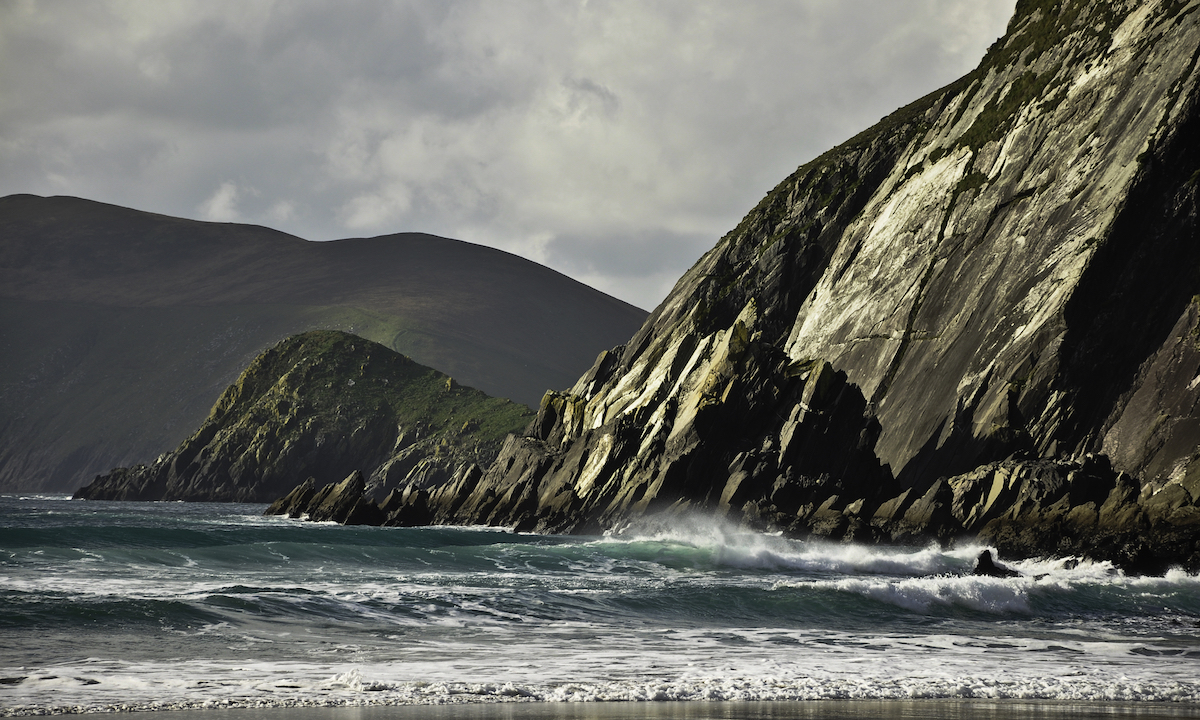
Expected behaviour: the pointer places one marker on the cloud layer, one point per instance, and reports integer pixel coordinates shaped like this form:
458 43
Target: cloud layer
613 140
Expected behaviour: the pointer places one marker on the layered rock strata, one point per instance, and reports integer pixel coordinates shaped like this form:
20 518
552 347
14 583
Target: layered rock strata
324 405
977 318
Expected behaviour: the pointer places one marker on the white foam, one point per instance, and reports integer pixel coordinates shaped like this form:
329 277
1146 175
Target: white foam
735 547
986 594
107 686
1038 577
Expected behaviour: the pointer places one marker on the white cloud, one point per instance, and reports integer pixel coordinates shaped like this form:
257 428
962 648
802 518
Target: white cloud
222 205
616 140
376 211
282 211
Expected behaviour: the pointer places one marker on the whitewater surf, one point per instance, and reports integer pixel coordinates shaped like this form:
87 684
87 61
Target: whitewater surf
107 606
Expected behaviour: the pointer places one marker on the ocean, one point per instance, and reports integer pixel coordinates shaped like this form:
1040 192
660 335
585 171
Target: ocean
142 606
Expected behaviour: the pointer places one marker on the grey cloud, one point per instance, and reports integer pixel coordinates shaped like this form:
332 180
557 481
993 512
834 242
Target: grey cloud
589 95
635 253
648 260
614 140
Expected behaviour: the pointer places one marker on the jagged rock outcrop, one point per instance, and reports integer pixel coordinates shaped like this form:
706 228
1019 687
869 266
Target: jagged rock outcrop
978 317
325 405
346 502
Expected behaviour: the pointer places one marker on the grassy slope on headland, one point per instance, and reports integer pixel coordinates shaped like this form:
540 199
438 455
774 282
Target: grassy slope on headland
321 404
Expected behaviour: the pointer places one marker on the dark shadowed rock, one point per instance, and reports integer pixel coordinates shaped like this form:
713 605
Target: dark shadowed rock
295 503
345 502
984 565
340 502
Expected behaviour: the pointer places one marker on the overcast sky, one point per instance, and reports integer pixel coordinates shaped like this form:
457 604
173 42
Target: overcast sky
612 140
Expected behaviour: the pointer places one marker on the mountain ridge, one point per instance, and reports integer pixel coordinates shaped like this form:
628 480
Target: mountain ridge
120 328
974 319
321 406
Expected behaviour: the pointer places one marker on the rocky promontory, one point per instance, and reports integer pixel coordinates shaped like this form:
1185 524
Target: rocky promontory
325 405
977 319
120 328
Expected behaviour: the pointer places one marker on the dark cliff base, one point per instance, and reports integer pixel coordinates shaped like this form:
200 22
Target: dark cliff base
1023 507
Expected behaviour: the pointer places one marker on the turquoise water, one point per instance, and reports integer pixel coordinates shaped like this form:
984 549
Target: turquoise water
171 605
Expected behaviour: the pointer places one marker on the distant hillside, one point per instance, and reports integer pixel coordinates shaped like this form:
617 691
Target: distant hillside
324 404
978 319
120 328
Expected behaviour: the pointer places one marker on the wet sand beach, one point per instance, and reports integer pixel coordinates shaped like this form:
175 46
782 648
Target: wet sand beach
813 710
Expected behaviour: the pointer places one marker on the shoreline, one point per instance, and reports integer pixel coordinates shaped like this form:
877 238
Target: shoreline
231 614
847 709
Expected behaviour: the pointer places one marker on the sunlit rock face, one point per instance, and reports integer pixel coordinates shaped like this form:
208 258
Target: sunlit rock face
1005 270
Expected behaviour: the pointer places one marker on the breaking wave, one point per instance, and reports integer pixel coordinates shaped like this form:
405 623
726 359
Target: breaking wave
109 606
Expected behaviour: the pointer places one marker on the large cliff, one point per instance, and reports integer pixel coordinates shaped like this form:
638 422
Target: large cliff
119 328
978 317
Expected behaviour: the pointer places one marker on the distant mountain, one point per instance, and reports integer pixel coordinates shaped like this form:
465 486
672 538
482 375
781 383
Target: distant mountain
120 328
326 405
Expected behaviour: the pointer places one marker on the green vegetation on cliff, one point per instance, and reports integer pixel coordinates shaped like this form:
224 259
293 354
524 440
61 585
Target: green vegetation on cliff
322 404
340 380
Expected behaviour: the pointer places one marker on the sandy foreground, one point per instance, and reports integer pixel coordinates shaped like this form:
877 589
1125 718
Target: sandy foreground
814 710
